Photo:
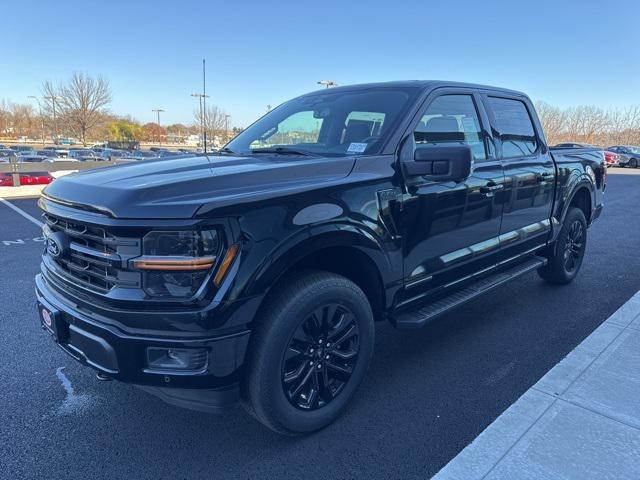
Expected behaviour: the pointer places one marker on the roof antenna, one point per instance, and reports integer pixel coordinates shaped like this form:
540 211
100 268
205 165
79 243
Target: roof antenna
204 101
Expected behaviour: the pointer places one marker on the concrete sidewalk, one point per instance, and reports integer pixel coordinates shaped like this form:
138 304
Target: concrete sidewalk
24 191
29 191
580 421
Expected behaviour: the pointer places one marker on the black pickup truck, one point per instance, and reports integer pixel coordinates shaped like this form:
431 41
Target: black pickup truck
256 274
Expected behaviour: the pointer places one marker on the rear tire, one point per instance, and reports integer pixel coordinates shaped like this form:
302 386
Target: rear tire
570 246
633 163
308 353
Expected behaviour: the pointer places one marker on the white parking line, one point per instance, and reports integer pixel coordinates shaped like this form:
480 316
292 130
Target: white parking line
22 212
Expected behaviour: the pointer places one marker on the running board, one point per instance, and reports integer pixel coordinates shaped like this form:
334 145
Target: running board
420 316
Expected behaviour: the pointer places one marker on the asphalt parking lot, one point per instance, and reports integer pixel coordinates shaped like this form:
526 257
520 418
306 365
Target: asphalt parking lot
427 394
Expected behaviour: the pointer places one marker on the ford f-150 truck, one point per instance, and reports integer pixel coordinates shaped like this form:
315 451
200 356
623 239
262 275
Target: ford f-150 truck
256 274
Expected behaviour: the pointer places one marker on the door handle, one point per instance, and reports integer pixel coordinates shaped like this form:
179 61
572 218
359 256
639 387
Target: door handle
491 188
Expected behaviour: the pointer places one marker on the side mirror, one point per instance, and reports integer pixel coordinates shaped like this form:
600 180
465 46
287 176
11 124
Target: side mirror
441 162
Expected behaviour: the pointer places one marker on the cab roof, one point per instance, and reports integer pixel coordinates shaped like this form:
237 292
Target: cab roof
422 84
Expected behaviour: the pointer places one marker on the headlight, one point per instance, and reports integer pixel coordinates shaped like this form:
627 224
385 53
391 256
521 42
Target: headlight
176 263
181 243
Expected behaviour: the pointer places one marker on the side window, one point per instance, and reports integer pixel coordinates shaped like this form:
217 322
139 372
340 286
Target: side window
452 119
514 126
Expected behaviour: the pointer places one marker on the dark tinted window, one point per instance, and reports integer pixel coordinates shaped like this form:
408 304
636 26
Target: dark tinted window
452 119
514 126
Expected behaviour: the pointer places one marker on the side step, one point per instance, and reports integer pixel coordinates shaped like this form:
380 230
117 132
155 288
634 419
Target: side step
420 316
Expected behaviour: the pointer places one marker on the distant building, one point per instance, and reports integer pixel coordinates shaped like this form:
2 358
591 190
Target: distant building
192 140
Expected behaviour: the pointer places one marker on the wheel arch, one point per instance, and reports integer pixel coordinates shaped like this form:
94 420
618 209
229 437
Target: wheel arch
583 198
346 250
579 192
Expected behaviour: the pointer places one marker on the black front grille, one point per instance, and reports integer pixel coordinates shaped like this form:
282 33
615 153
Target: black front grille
96 259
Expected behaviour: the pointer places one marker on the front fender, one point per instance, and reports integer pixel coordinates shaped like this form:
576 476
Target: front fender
317 237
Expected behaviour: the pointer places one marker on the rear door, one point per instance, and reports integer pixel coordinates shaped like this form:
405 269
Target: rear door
529 174
450 229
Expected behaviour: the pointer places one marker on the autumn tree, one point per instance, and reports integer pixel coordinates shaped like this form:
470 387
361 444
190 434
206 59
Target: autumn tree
125 130
154 132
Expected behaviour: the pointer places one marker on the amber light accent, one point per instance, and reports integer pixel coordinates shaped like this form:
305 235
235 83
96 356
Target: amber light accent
232 251
174 263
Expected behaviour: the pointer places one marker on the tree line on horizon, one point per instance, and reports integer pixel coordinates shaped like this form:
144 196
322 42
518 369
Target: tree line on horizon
81 112
81 105
589 124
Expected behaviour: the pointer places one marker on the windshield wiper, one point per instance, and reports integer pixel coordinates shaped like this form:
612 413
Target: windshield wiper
283 151
227 150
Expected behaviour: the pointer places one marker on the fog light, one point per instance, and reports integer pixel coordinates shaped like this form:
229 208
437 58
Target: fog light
183 359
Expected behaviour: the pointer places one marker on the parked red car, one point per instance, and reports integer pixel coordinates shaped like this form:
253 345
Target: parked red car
612 159
34 178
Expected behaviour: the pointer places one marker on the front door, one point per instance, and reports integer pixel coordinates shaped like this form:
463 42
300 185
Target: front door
450 229
529 176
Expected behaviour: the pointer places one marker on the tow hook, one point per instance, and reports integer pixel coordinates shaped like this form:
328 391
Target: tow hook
102 377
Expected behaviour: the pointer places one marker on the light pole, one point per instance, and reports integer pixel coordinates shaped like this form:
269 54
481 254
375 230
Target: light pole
200 97
158 110
327 83
226 127
41 117
53 99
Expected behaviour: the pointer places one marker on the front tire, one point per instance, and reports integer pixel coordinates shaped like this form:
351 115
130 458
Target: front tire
308 353
570 246
633 163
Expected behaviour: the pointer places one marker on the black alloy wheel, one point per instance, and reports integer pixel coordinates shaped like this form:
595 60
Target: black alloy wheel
309 351
574 246
566 256
320 357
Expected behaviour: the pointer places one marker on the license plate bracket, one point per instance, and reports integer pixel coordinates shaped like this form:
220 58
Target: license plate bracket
52 321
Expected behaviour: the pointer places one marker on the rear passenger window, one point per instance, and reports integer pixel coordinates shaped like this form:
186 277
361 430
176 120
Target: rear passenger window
452 119
514 126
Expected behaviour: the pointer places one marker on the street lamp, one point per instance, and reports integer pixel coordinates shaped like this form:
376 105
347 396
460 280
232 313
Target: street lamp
226 126
53 99
201 96
328 83
41 117
158 110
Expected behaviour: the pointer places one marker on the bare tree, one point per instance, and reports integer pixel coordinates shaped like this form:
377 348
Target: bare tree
589 124
213 119
553 120
79 103
24 121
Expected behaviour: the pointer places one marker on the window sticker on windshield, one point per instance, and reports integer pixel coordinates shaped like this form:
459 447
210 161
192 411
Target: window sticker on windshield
355 147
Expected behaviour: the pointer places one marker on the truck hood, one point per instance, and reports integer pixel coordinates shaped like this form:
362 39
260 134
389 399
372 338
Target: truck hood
177 188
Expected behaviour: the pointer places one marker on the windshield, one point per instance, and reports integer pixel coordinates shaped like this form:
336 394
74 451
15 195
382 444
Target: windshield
330 123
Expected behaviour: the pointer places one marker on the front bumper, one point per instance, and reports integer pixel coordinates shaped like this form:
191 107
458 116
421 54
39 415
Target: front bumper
122 355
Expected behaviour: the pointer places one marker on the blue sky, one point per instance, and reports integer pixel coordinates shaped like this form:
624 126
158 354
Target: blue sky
264 52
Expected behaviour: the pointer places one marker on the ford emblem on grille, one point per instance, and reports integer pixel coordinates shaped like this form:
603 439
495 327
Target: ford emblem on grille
57 244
